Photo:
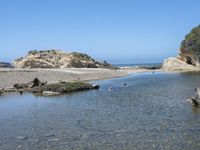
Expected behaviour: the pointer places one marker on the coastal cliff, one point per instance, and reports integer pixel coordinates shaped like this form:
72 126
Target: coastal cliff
189 53
59 59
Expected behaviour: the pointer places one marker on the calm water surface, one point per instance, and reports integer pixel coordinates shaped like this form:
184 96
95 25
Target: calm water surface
150 112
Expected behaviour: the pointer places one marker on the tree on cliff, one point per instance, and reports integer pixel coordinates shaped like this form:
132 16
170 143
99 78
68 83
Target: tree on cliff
192 41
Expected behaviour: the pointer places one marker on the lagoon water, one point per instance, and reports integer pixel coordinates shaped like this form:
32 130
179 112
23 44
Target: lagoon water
150 112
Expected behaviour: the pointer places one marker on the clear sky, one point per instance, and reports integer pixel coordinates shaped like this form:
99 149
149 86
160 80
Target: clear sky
120 31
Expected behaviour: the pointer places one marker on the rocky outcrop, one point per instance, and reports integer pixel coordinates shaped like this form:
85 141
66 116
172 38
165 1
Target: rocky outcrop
189 54
190 47
176 64
5 65
59 59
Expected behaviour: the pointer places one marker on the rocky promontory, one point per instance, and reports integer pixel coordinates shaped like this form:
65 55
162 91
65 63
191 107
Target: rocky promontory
59 59
189 53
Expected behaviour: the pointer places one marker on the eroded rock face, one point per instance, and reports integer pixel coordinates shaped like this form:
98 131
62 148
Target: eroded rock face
190 47
176 64
59 59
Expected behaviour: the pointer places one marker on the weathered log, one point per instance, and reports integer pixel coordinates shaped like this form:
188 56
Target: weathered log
196 100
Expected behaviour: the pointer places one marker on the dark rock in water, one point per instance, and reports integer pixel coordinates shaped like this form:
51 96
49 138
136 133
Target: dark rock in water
5 65
125 84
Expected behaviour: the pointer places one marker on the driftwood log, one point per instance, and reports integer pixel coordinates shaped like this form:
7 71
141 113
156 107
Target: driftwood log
1 91
196 100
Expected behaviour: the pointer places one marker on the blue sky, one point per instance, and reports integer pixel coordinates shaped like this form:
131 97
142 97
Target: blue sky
120 31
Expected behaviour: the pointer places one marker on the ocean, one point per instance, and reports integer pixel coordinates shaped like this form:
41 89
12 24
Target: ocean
138 65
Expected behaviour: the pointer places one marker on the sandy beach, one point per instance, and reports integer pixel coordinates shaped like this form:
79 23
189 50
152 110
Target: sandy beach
9 77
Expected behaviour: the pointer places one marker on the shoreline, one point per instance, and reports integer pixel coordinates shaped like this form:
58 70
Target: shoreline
11 76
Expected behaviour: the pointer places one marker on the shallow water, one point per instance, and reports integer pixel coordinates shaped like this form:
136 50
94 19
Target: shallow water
150 112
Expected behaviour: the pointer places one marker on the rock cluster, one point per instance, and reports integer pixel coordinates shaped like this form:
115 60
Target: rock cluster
59 59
